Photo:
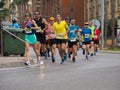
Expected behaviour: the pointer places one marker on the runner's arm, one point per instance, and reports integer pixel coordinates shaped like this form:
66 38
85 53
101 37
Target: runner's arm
36 26
46 24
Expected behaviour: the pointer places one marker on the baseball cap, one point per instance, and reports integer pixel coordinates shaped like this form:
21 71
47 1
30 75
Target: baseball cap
86 23
52 19
14 19
27 14
67 18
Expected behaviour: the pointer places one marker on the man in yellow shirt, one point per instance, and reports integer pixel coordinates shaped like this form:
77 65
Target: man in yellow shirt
60 27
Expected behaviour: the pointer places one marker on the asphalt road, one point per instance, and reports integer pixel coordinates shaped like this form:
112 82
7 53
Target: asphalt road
101 72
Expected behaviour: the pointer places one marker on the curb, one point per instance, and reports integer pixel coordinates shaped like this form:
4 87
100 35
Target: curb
113 52
12 64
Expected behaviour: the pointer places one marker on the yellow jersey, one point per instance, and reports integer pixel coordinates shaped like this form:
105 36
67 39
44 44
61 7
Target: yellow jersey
60 29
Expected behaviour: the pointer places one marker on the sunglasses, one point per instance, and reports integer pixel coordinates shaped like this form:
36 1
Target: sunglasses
36 14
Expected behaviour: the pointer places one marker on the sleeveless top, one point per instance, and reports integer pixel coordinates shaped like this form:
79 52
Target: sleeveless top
40 23
28 30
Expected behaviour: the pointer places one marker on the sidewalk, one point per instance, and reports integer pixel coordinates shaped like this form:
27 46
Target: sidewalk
12 61
15 60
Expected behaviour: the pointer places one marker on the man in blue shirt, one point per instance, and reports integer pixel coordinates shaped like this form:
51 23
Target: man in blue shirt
72 39
87 37
14 23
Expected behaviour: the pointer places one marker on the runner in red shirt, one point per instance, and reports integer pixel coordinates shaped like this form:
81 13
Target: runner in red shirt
97 35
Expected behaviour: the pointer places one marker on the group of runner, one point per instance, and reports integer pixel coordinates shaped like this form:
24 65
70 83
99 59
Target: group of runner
65 35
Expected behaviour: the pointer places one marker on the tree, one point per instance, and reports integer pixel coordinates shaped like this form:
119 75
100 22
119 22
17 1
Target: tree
113 21
4 12
106 20
21 4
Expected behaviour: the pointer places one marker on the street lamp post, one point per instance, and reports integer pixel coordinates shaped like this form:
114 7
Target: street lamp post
102 23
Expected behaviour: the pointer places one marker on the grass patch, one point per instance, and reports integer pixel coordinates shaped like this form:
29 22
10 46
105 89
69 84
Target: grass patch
112 49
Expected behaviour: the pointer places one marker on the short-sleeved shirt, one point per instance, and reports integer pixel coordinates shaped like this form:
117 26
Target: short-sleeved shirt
49 32
72 33
15 25
60 29
97 34
92 30
86 32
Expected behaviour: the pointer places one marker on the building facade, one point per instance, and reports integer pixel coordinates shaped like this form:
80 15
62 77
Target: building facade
93 9
70 8
48 8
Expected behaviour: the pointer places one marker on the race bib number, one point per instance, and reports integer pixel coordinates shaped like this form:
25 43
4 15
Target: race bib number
73 39
96 36
28 30
52 35
47 37
60 36
87 35
38 30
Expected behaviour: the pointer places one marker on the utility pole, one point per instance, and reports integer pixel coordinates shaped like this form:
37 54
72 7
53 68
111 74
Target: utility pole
102 23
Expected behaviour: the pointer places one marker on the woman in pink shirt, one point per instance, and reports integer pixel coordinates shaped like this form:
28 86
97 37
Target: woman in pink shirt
51 36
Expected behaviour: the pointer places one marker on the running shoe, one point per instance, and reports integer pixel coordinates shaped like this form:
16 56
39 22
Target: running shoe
66 56
40 62
73 59
86 57
91 54
83 52
46 55
53 59
27 63
62 62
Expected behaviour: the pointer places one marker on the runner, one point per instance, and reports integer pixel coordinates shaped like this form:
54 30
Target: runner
92 42
86 32
72 39
60 27
15 23
67 19
41 38
96 38
30 38
52 38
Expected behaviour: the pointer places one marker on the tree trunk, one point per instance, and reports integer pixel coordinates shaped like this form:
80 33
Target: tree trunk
113 22
106 22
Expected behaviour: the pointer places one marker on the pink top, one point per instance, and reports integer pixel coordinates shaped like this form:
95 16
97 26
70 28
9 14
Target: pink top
50 34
